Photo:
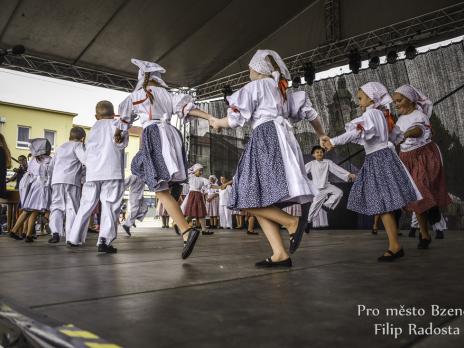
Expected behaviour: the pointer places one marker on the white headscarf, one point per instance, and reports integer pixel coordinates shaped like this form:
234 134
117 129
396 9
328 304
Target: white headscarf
261 64
423 103
39 146
154 69
378 93
195 167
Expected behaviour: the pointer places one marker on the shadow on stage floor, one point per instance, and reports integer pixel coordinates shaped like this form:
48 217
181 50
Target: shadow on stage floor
146 296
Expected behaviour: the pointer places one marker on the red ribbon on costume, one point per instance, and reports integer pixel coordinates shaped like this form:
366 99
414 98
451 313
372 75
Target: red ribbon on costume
283 86
149 95
390 119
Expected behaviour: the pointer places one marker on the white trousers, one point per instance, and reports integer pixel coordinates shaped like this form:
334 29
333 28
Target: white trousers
328 197
320 220
63 209
439 226
138 210
225 217
109 193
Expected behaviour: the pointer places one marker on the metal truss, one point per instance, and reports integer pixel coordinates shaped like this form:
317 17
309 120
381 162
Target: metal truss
445 22
64 71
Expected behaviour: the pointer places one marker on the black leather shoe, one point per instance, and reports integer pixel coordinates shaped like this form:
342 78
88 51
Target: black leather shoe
55 238
268 263
252 233
308 229
424 243
295 238
439 234
412 232
14 236
193 235
105 248
391 256
71 245
127 230
207 233
29 239
374 231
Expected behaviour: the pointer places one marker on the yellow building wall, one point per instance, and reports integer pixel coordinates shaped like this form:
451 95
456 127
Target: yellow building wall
38 120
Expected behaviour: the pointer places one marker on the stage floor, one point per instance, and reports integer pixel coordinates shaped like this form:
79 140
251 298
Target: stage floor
146 296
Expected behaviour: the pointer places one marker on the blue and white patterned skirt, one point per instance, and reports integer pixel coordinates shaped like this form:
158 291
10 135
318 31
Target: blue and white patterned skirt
150 164
261 180
382 185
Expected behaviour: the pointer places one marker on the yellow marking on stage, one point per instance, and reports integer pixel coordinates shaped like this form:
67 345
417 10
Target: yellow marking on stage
80 334
102 345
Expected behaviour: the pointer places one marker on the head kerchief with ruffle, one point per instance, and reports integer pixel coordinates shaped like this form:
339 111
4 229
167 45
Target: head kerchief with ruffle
154 69
423 103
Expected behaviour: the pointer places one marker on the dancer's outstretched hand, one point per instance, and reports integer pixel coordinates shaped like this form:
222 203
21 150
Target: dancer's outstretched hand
352 177
325 143
118 136
214 122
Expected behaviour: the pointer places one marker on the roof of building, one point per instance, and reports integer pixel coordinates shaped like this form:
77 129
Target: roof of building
30 107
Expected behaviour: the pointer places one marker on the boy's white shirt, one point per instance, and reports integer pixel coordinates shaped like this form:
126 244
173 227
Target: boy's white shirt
104 158
68 163
320 172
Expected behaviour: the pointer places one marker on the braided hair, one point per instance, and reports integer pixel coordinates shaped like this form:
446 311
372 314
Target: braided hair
145 85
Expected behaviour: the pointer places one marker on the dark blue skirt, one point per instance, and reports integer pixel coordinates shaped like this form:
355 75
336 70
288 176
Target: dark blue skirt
148 163
382 185
260 180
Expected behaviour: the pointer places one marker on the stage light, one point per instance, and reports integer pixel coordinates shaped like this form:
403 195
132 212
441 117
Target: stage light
374 62
227 90
354 61
392 57
410 52
296 82
309 73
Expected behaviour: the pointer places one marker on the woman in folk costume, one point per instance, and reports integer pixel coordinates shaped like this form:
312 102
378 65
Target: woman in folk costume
383 184
422 157
163 160
35 188
212 201
271 172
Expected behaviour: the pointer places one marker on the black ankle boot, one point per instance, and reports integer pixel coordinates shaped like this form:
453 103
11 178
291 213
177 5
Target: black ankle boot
423 243
55 238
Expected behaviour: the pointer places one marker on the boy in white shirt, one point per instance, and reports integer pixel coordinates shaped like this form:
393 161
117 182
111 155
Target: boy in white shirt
329 195
66 184
104 161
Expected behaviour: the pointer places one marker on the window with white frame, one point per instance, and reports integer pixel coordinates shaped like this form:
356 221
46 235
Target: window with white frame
23 137
50 136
